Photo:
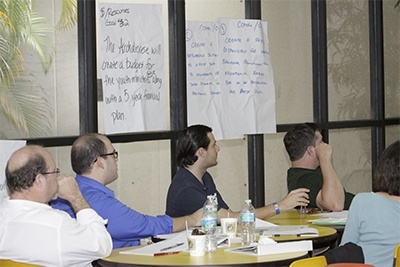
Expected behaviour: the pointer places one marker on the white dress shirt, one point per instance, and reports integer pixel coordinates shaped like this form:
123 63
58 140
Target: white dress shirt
36 233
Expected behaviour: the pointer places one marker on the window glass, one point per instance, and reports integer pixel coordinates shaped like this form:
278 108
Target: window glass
348 60
392 134
52 94
289 36
391 35
352 158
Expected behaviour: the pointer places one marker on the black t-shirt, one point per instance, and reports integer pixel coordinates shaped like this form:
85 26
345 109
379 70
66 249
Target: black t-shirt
186 194
311 179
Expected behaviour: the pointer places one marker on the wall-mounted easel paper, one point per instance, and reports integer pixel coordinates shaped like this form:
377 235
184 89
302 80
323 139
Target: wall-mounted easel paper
7 147
229 77
132 62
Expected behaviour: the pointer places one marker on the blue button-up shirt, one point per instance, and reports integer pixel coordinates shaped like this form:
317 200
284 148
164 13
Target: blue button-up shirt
125 225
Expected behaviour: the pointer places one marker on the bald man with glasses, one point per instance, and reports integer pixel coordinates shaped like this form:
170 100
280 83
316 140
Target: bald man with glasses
31 231
94 159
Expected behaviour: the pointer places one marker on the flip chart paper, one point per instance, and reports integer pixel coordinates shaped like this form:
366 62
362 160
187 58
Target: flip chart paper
132 67
229 77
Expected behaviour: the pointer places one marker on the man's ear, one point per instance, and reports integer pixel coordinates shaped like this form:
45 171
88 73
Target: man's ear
201 152
39 181
310 150
99 162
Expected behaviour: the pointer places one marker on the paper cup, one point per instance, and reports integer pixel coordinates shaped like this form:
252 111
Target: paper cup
197 245
229 226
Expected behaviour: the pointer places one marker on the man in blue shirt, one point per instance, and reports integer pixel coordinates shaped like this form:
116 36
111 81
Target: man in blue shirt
94 159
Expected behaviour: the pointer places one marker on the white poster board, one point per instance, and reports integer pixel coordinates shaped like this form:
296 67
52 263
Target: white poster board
131 43
7 147
229 77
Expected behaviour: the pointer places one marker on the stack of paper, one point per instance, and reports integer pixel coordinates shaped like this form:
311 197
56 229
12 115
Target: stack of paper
290 230
269 249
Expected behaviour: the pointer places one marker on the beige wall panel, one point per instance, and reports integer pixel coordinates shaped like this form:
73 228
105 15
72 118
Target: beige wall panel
144 175
62 159
230 175
276 165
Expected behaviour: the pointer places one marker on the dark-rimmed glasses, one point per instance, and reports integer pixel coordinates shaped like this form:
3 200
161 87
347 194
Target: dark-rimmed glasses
114 154
57 170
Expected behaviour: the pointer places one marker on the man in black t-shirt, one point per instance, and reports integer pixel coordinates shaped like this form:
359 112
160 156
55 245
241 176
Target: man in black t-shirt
312 168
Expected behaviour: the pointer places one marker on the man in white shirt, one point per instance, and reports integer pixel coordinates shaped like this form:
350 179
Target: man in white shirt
33 232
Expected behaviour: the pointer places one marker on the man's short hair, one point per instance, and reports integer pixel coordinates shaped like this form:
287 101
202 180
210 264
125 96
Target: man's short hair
85 150
23 177
189 141
387 171
298 138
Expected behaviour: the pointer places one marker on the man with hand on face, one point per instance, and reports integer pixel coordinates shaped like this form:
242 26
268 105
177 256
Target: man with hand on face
312 168
197 151
94 159
31 231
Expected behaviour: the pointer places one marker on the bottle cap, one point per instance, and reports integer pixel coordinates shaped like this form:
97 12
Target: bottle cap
247 201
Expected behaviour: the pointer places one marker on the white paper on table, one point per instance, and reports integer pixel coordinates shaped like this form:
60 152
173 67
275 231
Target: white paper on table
172 235
149 250
263 224
288 230
268 249
331 218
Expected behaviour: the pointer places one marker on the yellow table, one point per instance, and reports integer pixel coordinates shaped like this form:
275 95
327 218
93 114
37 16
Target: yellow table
217 258
328 235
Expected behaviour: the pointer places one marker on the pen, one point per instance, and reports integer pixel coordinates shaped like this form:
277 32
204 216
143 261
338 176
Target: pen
298 235
173 246
166 253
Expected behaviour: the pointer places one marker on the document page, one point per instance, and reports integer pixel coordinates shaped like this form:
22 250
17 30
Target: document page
175 244
295 230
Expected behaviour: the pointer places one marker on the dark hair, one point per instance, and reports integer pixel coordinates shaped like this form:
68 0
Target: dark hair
24 176
85 150
298 138
387 171
190 140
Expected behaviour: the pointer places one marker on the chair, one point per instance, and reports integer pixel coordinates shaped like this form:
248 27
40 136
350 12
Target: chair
318 261
396 257
10 263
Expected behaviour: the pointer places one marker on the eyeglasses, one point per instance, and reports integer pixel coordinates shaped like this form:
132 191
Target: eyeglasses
57 170
114 153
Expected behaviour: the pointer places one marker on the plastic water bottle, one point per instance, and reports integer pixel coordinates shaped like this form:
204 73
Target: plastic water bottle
209 225
212 200
248 223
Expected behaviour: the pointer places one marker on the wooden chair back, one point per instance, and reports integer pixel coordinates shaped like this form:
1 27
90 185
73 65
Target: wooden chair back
10 263
318 261
396 257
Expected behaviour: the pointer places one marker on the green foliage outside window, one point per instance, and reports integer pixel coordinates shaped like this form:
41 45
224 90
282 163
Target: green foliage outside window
23 102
